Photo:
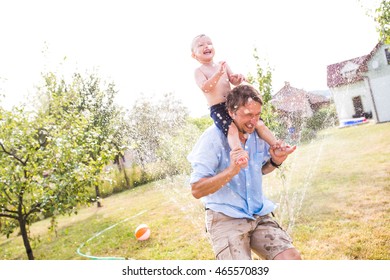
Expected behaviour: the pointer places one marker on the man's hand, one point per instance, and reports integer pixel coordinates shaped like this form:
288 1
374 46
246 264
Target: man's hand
280 155
239 158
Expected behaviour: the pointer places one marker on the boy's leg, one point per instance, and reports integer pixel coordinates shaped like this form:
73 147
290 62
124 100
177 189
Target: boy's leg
281 149
266 134
225 123
235 144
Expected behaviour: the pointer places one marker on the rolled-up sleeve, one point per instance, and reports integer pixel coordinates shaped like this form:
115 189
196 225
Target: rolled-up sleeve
204 157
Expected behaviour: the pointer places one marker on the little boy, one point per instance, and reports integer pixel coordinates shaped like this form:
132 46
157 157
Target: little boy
214 80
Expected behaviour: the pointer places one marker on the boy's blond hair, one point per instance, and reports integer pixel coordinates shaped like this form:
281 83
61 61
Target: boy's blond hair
195 40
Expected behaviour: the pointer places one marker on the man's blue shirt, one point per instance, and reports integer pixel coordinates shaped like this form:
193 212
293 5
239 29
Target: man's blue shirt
243 196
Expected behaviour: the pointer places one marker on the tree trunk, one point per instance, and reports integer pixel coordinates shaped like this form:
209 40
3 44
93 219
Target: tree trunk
121 166
26 241
99 204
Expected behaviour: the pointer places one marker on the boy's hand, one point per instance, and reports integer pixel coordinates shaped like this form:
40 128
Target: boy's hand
222 67
237 78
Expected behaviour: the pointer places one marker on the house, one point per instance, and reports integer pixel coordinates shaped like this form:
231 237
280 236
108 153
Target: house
361 86
294 105
298 102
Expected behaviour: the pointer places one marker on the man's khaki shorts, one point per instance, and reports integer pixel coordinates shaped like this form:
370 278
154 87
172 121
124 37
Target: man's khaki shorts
235 239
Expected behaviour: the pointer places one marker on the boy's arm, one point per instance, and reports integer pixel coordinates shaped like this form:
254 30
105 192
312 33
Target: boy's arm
234 79
207 85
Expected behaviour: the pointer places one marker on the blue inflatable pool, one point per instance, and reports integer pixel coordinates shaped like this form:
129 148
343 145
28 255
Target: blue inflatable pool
352 122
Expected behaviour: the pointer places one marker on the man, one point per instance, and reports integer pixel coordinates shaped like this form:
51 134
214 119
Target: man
238 215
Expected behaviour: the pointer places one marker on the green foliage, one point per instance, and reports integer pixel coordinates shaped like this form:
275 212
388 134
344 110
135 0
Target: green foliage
114 180
150 124
382 18
175 148
323 118
201 123
44 166
263 81
50 159
88 96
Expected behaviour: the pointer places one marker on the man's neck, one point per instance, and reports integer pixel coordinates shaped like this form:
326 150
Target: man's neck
242 135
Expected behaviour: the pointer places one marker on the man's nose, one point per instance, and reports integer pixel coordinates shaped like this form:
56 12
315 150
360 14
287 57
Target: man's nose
254 120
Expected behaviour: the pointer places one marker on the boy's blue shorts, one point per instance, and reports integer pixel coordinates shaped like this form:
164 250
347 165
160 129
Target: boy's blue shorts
221 117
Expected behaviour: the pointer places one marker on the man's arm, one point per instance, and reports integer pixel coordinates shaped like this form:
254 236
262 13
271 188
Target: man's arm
275 161
206 186
268 168
209 185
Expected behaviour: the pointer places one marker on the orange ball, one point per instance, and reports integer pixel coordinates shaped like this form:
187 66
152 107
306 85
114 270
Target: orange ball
142 232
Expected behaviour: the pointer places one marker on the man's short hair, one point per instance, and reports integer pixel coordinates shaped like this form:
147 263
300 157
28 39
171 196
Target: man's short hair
240 96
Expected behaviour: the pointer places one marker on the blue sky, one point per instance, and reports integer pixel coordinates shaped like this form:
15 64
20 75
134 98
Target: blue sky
144 46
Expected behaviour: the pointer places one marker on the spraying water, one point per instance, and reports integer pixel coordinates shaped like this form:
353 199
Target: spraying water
290 197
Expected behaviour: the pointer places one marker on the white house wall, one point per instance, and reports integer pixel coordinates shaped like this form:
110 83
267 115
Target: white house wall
343 96
379 81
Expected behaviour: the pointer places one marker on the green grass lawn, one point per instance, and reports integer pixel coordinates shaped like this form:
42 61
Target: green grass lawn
333 197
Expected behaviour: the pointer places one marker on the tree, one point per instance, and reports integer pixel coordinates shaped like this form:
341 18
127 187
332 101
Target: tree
263 81
145 130
176 146
105 117
44 166
151 123
201 123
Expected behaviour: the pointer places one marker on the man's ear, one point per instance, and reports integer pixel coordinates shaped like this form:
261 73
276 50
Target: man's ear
231 114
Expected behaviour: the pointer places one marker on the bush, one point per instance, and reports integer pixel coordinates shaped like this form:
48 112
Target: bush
115 181
323 118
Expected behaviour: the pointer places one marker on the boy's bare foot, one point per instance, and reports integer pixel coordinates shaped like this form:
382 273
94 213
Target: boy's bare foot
243 161
240 157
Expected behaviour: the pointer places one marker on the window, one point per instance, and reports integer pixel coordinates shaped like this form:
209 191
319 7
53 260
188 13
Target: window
358 105
349 74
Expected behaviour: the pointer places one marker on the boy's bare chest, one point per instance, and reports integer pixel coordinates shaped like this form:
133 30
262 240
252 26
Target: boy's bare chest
209 71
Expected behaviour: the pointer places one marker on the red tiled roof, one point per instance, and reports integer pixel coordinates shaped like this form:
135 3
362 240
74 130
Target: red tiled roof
290 99
334 76
316 98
